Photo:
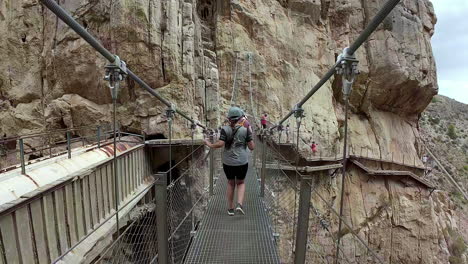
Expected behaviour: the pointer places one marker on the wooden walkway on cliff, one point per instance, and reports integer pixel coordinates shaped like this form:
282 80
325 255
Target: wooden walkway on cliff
323 163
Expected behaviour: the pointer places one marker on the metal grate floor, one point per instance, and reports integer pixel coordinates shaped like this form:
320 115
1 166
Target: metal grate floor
234 239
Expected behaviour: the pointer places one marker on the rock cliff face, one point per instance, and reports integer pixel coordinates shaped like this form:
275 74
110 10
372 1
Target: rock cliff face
263 55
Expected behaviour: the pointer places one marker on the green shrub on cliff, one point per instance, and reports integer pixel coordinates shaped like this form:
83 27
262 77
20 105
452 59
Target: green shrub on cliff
451 132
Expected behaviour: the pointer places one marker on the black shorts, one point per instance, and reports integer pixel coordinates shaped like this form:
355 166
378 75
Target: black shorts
235 172
264 125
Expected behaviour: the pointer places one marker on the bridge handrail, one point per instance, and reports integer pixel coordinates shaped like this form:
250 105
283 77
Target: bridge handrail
99 139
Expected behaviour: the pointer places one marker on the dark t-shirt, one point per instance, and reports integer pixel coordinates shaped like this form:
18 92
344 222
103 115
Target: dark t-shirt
236 154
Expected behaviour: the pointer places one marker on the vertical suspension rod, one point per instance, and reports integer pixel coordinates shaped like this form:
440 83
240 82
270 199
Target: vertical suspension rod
116 175
343 179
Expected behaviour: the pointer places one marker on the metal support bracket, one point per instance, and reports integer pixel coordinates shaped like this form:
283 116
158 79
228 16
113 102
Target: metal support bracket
193 126
298 114
347 68
170 112
115 73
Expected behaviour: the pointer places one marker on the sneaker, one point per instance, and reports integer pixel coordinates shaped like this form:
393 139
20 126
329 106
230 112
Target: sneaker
240 209
230 212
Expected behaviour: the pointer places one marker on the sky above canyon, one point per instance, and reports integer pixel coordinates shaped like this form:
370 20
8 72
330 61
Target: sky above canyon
450 47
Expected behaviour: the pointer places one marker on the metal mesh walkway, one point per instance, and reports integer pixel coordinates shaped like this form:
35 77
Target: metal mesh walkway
234 239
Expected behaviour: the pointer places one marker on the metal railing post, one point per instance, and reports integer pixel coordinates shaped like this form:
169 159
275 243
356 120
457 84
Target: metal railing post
161 217
98 136
212 167
263 173
303 220
68 144
23 166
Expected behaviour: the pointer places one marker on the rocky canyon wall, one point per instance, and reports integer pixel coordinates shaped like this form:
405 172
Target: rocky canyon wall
269 53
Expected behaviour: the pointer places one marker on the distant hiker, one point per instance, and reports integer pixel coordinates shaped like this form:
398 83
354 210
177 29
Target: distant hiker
235 139
287 132
314 147
424 159
245 123
263 121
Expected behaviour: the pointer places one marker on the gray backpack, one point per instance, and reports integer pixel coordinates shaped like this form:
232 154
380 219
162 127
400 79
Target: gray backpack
230 135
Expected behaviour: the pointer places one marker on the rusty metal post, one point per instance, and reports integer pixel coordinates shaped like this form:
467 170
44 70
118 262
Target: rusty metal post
303 220
212 167
50 145
263 172
98 136
69 144
23 165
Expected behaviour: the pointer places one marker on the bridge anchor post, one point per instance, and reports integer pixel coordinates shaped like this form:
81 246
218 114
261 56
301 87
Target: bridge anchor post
303 220
212 167
264 157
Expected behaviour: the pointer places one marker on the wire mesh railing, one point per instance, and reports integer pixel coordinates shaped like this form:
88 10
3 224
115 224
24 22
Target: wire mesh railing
168 221
187 200
284 186
280 198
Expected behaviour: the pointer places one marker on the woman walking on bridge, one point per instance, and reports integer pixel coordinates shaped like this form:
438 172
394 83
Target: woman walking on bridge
235 138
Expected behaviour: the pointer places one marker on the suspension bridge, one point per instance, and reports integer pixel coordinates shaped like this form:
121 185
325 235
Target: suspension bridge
110 196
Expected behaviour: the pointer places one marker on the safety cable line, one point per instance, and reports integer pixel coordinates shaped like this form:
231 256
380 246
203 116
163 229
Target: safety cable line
233 93
346 224
371 27
71 22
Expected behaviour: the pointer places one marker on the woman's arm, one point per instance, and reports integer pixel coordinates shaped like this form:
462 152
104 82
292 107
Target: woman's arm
251 145
218 144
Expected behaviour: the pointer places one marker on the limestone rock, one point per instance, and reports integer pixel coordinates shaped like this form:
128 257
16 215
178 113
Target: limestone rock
186 50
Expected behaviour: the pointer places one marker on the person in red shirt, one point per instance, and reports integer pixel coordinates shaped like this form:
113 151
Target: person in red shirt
263 121
314 147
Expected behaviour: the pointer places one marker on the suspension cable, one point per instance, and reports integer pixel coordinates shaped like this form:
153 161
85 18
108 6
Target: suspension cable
371 27
346 224
234 82
71 22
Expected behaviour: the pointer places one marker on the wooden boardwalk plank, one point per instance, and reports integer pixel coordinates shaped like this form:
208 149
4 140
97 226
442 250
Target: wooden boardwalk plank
9 238
61 220
25 234
40 236
50 225
92 195
70 214
80 218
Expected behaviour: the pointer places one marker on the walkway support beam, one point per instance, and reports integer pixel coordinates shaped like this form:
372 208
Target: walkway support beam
371 27
303 220
212 167
80 30
161 217
264 156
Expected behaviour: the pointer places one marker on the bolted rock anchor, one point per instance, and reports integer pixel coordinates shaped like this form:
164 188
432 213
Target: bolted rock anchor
298 113
170 112
347 68
115 73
